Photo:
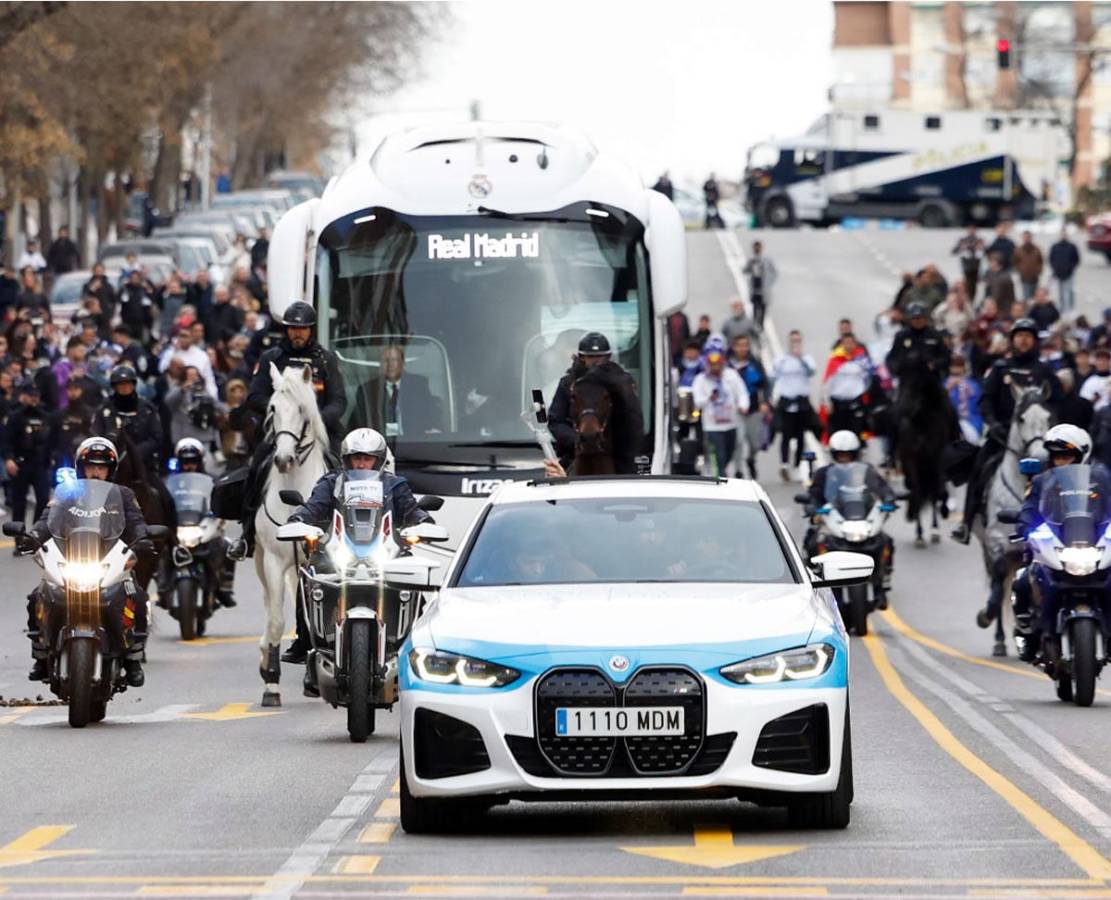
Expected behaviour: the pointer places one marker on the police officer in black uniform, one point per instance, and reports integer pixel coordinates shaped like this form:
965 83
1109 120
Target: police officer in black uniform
595 352
1023 368
297 348
138 417
919 342
29 438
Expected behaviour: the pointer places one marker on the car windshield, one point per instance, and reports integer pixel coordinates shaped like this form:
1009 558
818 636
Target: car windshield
67 288
86 505
847 490
626 540
1074 505
191 491
444 325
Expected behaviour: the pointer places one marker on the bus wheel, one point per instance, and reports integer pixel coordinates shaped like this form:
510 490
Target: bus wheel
779 213
933 215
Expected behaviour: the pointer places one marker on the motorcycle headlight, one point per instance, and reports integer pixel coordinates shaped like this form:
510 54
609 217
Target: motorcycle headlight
438 667
1080 561
83 576
856 530
789 665
189 535
339 553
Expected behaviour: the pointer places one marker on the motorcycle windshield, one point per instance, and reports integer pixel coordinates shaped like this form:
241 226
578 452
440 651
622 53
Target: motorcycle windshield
191 492
360 493
88 506
847 490
1074 505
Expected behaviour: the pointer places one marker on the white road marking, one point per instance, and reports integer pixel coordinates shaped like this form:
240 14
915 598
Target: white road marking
1026 761
305 860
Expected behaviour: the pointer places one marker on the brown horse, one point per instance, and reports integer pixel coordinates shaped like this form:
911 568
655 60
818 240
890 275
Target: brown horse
591 411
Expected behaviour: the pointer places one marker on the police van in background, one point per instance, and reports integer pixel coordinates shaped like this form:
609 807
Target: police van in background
939 169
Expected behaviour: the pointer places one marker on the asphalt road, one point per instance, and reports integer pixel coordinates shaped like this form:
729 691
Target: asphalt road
971 778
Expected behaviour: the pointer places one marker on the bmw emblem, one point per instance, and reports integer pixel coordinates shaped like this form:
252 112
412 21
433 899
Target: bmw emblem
480 187
619 663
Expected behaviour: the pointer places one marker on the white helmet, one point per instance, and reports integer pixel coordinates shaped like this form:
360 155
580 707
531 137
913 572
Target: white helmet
844 441
363 440
1069 439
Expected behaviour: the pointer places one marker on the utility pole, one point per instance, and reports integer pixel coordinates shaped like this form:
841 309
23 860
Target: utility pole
206 149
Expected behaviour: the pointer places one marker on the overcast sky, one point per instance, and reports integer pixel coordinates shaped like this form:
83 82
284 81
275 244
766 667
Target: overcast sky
687 86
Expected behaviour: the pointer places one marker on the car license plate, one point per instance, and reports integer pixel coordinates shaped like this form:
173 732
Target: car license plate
639 721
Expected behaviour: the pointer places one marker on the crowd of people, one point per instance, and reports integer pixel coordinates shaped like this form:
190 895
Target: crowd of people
170 357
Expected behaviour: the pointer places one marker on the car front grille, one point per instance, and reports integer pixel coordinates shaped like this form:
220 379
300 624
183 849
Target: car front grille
797 742
621 757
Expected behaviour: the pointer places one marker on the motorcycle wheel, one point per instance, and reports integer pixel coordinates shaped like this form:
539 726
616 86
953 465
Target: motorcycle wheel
81 701
187 609
1084 661
857 595
360 714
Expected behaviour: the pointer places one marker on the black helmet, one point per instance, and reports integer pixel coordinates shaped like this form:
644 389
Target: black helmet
98 451
1025 324
121 373
299 315
917 309
594 343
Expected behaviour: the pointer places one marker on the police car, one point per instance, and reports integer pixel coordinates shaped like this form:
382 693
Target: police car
625 636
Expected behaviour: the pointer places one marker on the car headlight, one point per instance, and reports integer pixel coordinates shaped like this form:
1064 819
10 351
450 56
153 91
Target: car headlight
1080 561
189 535
438 667
856 530
83 576
788 665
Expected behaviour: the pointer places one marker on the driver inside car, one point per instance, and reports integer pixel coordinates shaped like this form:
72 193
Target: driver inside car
535 560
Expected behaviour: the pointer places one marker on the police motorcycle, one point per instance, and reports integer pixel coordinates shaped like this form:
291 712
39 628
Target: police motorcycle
198 557
852 519
88 598
1070 555
360 591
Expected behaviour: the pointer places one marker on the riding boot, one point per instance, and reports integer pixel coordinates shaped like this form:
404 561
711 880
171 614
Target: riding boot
224 592
298 651
308 685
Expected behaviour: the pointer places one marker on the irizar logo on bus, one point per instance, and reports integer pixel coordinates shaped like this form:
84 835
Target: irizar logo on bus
481 485
485 246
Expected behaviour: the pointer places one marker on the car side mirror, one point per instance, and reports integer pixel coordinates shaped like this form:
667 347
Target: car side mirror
412 573
1007 516
425 533
1029 466
298 531
840 569
291 498
13 529
430 503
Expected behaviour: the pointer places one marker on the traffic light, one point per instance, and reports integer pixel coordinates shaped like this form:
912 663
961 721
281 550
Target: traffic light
1003 53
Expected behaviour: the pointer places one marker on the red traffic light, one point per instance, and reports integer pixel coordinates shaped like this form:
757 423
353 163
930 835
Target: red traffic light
1003 53
1003 45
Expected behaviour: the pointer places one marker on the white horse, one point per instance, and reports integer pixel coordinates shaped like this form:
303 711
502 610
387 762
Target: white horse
1031 420
300 439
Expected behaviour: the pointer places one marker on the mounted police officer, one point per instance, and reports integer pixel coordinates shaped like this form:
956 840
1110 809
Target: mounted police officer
297 348
919 342
628 423
30 437
125 409
1022 368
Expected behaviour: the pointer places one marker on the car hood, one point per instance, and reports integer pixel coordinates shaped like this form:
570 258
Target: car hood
516 621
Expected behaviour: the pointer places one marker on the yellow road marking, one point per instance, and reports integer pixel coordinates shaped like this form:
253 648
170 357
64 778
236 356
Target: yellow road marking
476 890
377 833
396 789
196 890
16 712
29 847
390 808
711 891
1040 893
714 848
357 865
7 543
892 618
229 712
1090 861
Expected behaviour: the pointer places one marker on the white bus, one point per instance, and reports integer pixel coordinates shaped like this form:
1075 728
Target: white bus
475 256
946 168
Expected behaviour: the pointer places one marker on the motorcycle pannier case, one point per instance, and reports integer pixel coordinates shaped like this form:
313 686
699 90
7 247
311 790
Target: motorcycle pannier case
228 493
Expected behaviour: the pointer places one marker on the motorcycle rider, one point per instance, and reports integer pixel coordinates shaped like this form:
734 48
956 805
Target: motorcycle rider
189 456
362 449
297 348
595 352
138 417
845 447
97 459
1066 445
1022 368
919 340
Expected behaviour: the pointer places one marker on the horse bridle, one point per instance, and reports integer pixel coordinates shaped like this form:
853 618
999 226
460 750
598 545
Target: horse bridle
302 448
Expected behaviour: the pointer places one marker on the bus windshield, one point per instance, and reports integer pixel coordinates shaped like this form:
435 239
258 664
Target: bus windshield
444 325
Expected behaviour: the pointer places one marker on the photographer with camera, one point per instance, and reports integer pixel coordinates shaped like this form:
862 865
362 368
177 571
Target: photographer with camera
193 411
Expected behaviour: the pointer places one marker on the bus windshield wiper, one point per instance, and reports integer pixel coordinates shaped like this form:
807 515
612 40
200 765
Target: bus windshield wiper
418 461
521 443
522 217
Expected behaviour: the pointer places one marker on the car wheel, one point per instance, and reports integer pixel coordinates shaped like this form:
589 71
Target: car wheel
828 810
433 815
